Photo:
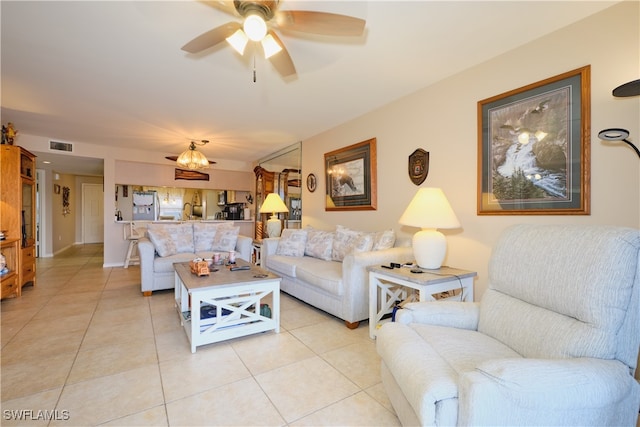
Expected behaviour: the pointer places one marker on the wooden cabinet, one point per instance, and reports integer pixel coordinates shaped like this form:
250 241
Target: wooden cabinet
18 208
9 279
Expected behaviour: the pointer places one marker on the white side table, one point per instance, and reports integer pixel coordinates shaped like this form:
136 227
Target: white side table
391 285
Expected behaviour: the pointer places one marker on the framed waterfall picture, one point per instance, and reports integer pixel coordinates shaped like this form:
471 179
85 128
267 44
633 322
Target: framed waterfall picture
534 148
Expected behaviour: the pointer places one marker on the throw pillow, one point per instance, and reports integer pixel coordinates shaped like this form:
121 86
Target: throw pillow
384 240
162 241
319 244
205 232
181 234
364 243
225 239
347 241
292 242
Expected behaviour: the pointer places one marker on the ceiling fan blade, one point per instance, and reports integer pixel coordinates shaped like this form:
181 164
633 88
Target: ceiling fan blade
282 60
175 158
211 37
330 24
222 5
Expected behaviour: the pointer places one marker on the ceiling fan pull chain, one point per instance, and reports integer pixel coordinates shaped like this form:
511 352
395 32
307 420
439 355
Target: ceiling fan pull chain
254 68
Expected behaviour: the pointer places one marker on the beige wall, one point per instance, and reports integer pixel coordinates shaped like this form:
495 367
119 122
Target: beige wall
442 119
64 226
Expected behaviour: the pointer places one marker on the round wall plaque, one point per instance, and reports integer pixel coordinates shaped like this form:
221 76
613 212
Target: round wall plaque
312 182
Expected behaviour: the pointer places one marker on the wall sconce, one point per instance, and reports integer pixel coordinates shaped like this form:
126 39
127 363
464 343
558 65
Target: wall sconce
617 134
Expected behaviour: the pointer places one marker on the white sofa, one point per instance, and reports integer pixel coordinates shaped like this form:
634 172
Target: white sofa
554 340
328 270
166 244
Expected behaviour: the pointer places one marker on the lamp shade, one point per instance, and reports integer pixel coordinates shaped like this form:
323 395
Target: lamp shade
273 204
429 209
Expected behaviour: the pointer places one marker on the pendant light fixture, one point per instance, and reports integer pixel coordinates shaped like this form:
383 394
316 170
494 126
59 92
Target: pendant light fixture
193 159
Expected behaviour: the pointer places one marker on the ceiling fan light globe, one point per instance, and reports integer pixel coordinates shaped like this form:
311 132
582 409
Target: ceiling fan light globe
270 46
255 28
238 41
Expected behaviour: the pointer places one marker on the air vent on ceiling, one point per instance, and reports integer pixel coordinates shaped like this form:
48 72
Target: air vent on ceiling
61 146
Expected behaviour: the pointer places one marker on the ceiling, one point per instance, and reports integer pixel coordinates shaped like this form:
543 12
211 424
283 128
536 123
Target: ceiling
112 72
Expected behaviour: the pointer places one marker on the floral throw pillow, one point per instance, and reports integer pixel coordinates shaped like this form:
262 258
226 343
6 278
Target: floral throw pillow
205 232
162 241
384 240
319 244
292 242
225 239
347 241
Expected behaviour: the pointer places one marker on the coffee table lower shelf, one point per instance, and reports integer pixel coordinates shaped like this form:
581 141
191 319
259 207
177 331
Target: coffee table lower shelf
235 300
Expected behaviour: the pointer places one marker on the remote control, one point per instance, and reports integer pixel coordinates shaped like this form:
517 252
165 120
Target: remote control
240 267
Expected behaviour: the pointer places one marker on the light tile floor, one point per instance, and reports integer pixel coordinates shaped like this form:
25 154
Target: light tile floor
85 348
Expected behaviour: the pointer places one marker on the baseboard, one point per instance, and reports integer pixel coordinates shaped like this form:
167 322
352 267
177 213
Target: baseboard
113 264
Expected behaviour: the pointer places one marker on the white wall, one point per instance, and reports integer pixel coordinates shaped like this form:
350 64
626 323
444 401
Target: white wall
442 119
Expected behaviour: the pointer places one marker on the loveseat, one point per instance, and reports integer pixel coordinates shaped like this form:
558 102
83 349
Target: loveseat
166 244
328 269
554 340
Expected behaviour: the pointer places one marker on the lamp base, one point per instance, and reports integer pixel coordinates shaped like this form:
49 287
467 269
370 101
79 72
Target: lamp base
429 248
274 227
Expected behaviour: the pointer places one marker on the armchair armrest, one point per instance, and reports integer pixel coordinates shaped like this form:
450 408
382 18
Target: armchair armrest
454 314
541 387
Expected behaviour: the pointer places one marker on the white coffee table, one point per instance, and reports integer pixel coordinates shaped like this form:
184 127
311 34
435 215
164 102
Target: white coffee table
234 296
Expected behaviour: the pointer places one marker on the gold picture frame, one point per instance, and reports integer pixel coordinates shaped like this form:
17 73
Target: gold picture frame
534 148
351 177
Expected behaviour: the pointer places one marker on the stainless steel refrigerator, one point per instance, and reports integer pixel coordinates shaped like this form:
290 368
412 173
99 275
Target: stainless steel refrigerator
145 206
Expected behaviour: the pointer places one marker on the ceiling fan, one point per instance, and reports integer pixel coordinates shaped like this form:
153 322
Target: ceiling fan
260 18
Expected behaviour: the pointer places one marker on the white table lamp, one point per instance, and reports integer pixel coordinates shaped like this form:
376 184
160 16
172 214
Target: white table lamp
273 204
429 209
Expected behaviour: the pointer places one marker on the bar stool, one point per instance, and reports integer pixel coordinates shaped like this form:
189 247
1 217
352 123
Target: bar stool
133 234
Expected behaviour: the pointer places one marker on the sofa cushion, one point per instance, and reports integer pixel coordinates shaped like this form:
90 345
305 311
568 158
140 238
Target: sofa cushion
283 264
225 239
292 242
319 244
326 275
165 264
205 232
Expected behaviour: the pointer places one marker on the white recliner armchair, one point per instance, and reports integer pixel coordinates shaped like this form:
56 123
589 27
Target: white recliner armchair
554 340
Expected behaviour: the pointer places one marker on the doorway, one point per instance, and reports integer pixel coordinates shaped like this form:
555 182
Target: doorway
92 213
